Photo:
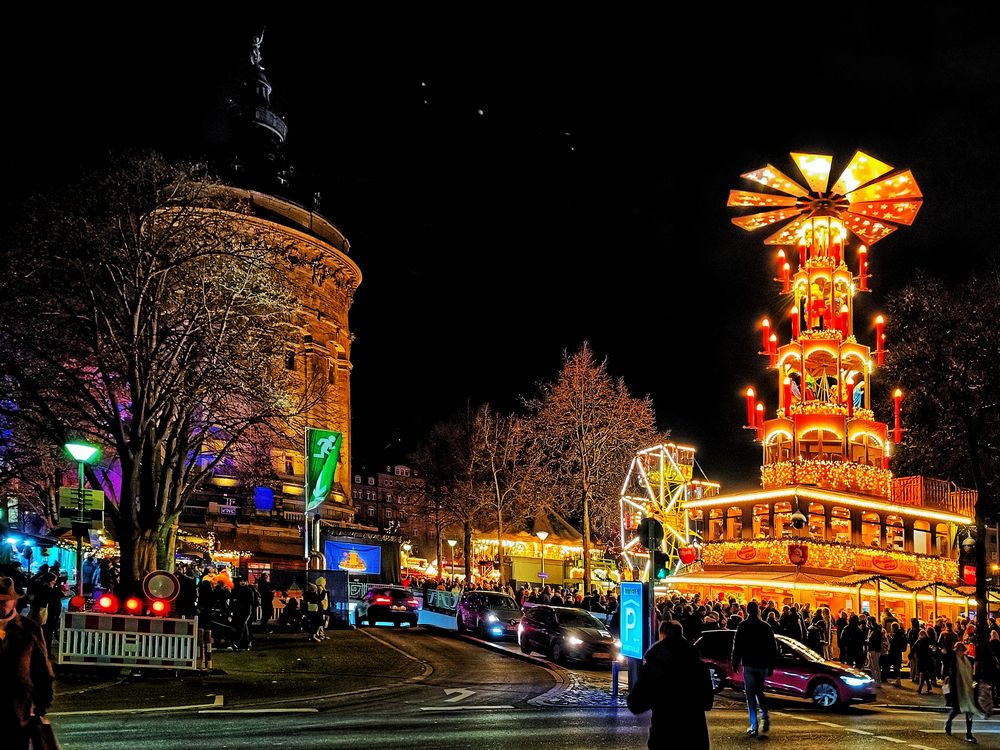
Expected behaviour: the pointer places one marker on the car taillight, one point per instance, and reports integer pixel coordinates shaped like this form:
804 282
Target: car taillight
383 600
412 602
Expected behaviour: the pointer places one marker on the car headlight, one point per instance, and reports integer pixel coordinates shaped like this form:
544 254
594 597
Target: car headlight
618 644
856 681
574 640
492 618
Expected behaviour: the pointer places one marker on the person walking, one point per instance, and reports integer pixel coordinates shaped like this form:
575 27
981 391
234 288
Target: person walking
960 693
922 651
754 648
266 601
897 645
874 659
674 683
26 677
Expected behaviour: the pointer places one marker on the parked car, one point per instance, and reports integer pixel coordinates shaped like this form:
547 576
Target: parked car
387 604
800 672
489 614
565 634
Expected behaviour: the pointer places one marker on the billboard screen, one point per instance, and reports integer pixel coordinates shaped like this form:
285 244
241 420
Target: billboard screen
356 559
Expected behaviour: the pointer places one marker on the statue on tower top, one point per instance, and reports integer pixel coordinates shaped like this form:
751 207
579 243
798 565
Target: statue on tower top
255 51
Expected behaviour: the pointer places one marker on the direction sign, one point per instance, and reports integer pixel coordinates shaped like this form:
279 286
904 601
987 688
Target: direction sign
91 514
543 575
631 619
92 499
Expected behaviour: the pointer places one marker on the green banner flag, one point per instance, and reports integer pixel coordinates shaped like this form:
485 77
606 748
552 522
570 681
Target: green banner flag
322 455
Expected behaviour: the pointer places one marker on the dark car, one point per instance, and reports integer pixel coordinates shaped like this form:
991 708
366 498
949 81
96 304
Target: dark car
565 634
800 672
489 614
387 604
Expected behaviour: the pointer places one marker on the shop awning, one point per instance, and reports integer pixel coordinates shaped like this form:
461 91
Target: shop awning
789 580
864 579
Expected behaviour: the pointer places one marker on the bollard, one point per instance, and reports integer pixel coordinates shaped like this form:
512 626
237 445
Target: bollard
614 680
208 649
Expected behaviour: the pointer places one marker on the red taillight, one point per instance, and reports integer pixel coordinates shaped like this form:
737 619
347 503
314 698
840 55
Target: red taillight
133 605
412 602
159 607
107 603
383 600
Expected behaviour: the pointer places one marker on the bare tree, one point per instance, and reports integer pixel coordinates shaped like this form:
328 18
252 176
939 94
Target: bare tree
944 352
586 427
140 310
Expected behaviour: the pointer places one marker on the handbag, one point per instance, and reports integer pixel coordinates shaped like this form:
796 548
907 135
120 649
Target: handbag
984 699
43 736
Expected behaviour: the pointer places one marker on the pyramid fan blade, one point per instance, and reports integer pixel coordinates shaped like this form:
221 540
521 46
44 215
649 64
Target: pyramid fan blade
900 186
774 178
898 212
759 200
815 168
862 170
787 235
756 221
868 230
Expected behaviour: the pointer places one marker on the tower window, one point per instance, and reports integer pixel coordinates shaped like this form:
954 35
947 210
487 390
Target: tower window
289 359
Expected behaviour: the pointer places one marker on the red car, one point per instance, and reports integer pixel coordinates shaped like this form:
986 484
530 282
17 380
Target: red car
800 672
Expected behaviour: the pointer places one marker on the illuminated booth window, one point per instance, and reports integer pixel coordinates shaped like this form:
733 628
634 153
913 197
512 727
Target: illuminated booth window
817 522
715 525
734 523
922 537
782 520
871 529
840 524
696 520
942 547
762 521
894 533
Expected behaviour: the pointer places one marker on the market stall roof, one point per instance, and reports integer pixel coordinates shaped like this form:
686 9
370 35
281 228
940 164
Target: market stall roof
863 579
949 589
790 580
560 530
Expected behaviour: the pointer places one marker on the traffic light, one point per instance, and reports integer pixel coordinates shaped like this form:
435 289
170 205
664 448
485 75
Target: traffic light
659 565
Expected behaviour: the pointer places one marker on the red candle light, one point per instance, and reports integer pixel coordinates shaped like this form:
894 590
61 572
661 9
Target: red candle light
765 325
880 339
897 431
772 349
751 406
850 396
795 322
863 267
845 320
786 393
781 259
760 421
802 251
786 278
836 248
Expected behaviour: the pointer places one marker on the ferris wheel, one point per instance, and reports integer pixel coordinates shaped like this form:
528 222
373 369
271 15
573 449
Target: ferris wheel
659 482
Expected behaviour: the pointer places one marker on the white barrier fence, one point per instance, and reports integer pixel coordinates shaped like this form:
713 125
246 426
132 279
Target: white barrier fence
92 639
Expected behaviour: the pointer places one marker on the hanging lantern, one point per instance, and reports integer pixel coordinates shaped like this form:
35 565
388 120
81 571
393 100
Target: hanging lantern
688 555
798 554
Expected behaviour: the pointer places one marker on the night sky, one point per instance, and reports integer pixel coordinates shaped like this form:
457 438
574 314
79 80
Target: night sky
514 183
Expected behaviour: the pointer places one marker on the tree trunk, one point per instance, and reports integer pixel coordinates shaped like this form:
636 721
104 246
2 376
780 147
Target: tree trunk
166 544
467 549
143 558
586 542
500 544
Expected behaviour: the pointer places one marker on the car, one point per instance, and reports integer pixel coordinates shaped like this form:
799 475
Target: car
387 604
800 672
489 614
566 634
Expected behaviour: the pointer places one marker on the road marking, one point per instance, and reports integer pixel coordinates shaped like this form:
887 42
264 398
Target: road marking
921 747
105 711
890 739
463 708
220 700
260 711
858 731
831 724
459 693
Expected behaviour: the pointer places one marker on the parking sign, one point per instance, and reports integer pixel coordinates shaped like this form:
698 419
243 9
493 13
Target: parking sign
631 619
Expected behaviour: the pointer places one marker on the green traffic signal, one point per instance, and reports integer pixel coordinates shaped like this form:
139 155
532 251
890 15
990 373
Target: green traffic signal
659 565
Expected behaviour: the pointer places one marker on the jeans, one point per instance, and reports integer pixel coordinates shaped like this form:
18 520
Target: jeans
753 686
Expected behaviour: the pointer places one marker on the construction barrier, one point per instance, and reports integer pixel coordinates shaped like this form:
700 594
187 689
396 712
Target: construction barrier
128 640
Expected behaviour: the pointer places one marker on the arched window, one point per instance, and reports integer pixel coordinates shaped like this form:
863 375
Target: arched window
817 522
942 545
782 520
762 521
922 537
734 523
715 525
696 521
840 525
894 533
871 529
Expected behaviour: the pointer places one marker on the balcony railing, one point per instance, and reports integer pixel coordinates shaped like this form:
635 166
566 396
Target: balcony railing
926 492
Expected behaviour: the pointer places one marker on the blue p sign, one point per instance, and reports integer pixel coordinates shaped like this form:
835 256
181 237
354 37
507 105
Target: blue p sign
631 619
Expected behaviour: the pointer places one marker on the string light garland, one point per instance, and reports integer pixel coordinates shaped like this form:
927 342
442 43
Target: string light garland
835 475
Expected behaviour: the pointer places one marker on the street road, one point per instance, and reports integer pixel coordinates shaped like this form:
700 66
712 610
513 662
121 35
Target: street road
448 692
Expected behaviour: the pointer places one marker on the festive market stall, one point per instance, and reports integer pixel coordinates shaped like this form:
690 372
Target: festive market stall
830 524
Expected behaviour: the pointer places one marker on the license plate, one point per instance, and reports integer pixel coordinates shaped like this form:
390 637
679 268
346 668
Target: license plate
398 608
602 655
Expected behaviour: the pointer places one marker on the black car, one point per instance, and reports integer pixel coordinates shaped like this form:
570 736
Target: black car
565 634
387 604
489 614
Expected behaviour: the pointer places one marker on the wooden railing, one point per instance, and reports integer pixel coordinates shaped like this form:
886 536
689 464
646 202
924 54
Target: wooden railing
926 492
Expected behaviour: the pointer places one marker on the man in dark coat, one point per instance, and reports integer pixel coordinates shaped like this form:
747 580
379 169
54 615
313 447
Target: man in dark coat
674 683
25 671
755 649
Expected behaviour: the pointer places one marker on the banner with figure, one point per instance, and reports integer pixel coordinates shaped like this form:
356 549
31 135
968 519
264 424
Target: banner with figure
322 456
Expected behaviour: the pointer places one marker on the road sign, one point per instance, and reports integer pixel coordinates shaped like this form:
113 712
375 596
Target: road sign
631 619
650 529
89 513
543 575
161 584
92 499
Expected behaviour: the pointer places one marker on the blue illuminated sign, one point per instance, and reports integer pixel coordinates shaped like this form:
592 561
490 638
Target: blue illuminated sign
631 619
263 498
356 559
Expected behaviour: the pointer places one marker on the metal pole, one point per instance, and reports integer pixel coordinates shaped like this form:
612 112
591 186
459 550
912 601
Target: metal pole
79 530
543 562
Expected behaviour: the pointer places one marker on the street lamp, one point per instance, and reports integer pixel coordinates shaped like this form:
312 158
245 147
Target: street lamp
542 535
452 543
83 454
